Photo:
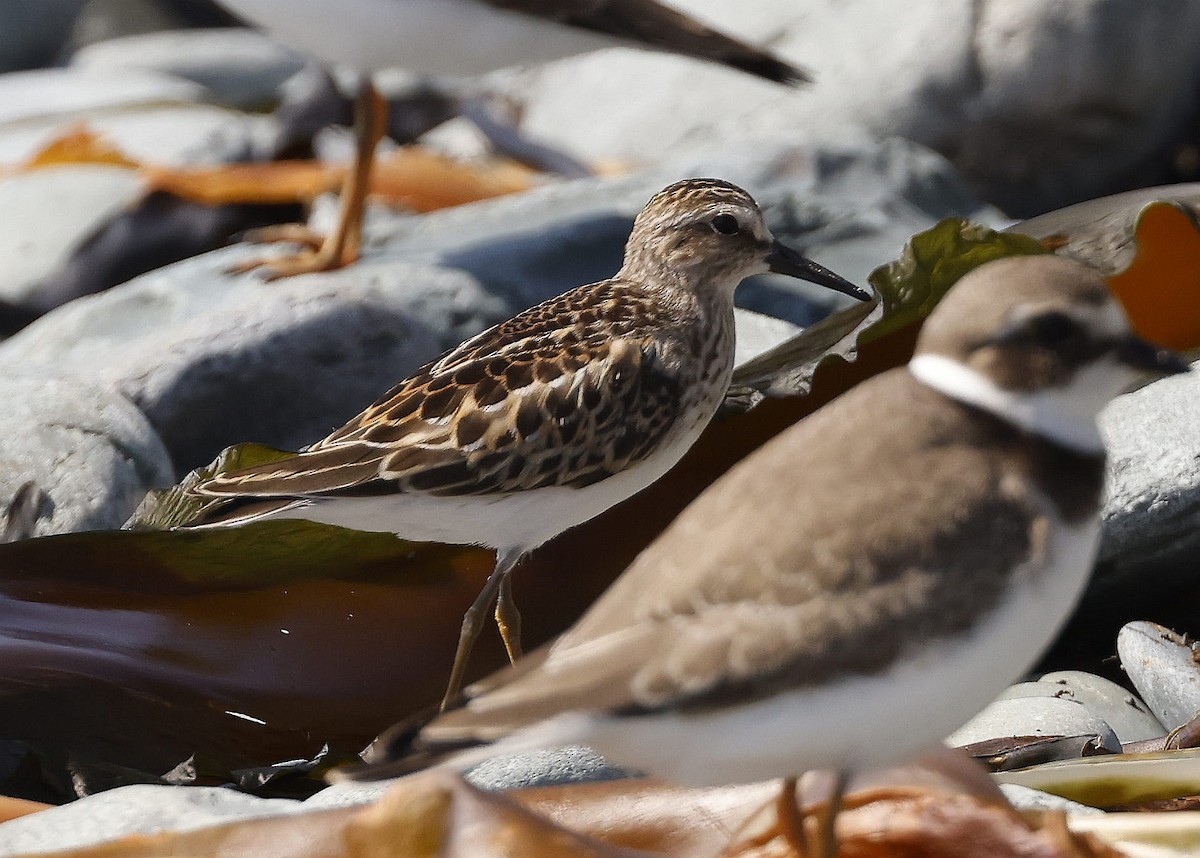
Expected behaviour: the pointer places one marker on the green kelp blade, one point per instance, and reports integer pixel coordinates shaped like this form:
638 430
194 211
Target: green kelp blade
905 292
260 554
176 507
932 262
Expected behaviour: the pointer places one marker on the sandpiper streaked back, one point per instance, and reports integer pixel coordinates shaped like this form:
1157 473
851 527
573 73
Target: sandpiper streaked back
548 419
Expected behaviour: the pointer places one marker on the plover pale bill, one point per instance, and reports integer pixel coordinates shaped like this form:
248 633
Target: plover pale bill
548 419
465 37
861 585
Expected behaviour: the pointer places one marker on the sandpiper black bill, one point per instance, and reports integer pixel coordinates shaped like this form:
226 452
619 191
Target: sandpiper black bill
783 260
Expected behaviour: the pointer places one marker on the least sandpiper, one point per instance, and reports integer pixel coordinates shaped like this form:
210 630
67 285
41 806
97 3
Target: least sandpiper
861 585
463 37
550 418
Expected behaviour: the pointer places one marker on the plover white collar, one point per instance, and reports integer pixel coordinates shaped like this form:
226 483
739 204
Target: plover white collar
857 588
544 421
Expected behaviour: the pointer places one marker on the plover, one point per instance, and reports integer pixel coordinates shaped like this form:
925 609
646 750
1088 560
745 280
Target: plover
456 38
544 421
861 585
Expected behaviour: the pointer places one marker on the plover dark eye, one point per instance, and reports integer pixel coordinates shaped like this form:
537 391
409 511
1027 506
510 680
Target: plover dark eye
726 224
1053 328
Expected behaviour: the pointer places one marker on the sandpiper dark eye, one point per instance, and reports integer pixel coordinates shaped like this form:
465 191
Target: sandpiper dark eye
726 224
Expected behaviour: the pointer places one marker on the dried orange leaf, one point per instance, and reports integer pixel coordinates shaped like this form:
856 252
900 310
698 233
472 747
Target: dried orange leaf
79 145
1161 287
280 182
423 181
412 177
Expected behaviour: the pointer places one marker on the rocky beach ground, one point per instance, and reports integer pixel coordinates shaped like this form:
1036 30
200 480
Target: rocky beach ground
131 356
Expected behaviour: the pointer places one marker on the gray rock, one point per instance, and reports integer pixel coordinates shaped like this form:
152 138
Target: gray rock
1023 96
1100 232
1034 716
1022 690
214 360
1163 669
238 67
1152 512
850 206
68 94
35 31
350 794
45 215
150 117
103 20
550 767
89 449
1128 716
130 810
1027 798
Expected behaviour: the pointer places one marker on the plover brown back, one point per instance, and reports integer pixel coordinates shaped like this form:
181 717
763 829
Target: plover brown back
548 419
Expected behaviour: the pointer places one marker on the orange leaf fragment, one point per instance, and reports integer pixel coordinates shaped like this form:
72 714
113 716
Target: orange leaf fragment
79 144
279 182
411 177
424 181
1160 289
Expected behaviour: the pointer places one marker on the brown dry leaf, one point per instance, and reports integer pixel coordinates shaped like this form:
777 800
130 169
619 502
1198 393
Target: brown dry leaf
439 816
654 816
895 823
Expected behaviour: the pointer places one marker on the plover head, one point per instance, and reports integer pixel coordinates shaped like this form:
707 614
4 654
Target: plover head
708 234
1039 341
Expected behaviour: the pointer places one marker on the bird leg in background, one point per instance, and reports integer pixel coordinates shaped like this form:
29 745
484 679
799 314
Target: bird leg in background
812 835
473 621
341 247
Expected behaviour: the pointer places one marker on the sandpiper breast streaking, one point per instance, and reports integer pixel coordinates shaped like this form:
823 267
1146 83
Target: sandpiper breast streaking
861 585
457 38
544 421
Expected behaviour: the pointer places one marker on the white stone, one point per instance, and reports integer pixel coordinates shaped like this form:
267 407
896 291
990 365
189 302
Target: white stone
88 448
46 214
139 809
1034 716
238 67
1023 96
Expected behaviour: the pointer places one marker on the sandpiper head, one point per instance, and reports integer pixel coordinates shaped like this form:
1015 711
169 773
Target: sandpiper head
1038 339
708 233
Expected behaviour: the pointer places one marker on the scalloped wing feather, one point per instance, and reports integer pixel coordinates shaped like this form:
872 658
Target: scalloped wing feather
567 393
